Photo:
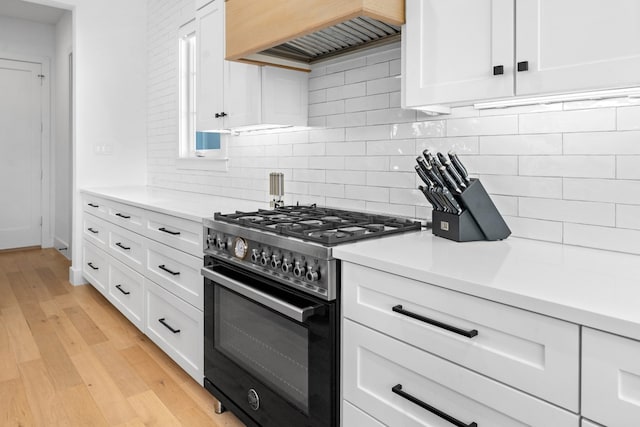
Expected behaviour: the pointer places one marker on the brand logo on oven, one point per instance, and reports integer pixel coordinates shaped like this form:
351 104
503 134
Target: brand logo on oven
253 399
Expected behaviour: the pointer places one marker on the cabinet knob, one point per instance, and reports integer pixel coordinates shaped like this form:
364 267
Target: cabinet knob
498 70
218 115
523 66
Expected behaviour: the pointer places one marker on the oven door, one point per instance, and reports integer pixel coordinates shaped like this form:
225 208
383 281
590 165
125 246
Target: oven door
270 353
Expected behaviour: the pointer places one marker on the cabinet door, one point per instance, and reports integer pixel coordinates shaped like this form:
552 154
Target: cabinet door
242 97
285 96
572 45
451 48
210 58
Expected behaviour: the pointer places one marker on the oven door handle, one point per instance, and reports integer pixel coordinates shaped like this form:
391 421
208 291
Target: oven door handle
282 307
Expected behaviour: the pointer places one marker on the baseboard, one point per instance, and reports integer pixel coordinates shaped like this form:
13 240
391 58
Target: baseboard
75 277
62 247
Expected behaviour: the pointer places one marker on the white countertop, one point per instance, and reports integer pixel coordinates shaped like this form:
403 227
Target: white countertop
192 206
590 287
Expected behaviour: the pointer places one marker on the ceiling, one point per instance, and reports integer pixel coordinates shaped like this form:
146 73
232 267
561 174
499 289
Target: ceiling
30 11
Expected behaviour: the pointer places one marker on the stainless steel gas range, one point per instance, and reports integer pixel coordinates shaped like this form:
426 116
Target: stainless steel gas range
272 310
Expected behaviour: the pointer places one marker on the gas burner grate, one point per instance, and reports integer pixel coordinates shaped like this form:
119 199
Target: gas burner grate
326 226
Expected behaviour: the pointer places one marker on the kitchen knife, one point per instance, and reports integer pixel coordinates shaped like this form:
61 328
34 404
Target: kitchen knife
428 169
450 182
431 198
446 162
454 206
459 166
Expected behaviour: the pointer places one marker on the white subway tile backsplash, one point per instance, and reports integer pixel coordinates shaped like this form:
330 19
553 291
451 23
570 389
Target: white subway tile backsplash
293 137
366 103
368 133
568 210
349 204
388 116
609 238
523 186
628 167
292 162
402 163
629 118
569 121
320 121
347 120
395 67
418 129
327 162
368 163
498 125
384 85
507 205
407 211
346 177
337 66
392 179
628 216
309 175
325 81
522 144
384 55
317 96
355 148
460 144
407 196
619 143
326 108
602 190
370 194
401 147
371 72
537 229
494 165
327 190
568 166
326 135
347 91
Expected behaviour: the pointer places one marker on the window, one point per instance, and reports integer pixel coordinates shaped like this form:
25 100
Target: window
193 144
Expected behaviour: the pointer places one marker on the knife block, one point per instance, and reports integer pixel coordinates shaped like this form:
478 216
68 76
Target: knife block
479 220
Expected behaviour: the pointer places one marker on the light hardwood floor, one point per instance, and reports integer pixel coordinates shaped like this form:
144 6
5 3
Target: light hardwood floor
69 358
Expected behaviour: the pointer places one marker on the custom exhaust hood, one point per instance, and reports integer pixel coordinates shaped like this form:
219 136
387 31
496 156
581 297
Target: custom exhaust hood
296 33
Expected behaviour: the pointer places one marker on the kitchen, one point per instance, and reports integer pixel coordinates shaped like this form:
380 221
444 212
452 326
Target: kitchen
559 171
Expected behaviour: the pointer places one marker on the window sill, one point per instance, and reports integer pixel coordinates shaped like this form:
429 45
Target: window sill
203 164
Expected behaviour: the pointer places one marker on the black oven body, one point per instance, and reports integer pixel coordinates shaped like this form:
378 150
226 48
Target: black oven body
268 368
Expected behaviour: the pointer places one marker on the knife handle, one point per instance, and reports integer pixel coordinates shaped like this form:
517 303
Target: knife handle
453 203
449 181
459 166
431 198
446 162
423 176
426 169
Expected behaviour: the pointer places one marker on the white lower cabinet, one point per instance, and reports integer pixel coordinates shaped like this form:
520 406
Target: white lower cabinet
126 292
587 423
610 379
144 262
354 417
176 327
395 383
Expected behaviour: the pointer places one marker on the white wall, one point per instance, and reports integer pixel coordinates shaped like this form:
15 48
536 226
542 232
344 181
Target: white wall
565 172
110 99
62 166
22 37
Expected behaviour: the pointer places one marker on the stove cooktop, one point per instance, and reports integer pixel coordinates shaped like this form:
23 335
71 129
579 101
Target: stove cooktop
326 226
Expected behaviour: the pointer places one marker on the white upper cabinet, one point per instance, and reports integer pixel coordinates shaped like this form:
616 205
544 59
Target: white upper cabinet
450 49
234 95
461 51
573 45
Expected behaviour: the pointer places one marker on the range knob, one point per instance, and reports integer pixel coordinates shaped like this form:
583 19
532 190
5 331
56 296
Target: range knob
264 259
312 275
255 256
222 244
286 265
297 270
275 262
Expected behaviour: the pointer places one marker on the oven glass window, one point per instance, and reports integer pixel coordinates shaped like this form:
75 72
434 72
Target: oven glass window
269 346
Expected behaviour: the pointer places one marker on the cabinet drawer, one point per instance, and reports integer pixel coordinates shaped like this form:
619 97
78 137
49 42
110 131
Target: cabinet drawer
95 230
126 292
95 266
129 217
177 272
352 416
587 423
610 378
127 247
176 232
176 327
534 353
95 206
374 364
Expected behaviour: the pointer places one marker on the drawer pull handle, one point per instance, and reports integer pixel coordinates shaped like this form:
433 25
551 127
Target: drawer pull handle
469 334
173 233
123 215
397 389
93 230
120 245
175 331
92 266
93 205
173 273
120 289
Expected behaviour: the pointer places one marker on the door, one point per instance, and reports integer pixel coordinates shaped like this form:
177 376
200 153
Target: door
20 154
451 48
573 45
